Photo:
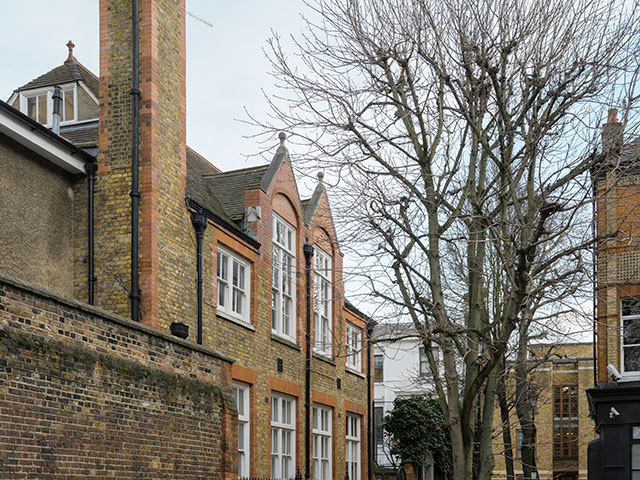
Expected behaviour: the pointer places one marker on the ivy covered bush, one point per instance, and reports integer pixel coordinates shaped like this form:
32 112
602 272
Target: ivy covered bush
417 427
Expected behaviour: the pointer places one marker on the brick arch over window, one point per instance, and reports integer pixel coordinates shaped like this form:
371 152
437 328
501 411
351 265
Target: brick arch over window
284 207
323 239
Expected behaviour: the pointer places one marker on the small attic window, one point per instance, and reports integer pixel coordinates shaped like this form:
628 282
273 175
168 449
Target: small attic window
68 110
37 107
38 104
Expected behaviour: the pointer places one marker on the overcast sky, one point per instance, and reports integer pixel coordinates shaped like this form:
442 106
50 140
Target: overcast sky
226 67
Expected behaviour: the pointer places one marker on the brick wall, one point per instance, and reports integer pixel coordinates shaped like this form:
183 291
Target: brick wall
167 246
618 215
257 352
576 368
88 394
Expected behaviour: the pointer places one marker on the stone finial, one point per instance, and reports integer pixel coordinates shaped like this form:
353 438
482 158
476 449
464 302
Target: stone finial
70 46
613 115
320 175
282 136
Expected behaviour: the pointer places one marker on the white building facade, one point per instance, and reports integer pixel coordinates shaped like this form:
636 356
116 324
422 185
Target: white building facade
400 370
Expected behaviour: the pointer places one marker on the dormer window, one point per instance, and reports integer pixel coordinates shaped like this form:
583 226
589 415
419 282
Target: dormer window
38 104
37 107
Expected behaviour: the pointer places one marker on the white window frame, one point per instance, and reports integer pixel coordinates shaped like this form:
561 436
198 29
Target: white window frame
632 374
322 304
284 258
283 436
423 361
48 91
353 446
353 340
377 356
226 298
241 393
322 451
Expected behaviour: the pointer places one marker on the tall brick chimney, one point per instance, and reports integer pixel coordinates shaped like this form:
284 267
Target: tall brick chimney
612 132
165 263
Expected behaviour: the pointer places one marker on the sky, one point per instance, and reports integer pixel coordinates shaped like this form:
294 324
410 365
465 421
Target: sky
227 71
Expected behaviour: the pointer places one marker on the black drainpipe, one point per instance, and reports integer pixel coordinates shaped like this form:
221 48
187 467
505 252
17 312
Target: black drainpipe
308 255
91 169
370 441
134 295
200 224
595 284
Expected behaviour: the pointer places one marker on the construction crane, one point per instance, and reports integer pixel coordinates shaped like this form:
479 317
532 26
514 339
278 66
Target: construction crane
199 18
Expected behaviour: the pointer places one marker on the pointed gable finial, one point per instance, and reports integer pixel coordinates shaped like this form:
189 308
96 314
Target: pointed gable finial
70 46
282 136
320 176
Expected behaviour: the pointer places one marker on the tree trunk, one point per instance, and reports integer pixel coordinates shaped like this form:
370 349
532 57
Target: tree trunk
486 459
501 392
524 409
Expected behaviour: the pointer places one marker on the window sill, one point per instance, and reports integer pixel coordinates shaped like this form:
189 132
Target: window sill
355 372
285 341
629 377
235 320
324 358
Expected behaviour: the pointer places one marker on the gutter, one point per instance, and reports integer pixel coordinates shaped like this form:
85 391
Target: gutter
193 204
134 294
199 222
26 131
91 169
370 440
308 255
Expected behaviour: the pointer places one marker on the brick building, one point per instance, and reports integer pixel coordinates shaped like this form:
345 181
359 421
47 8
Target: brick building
221 253
560 374
615 400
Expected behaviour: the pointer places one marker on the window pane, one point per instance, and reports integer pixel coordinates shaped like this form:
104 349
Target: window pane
631 332
631 359
241 427
274 310
224 267
42 108
222 292
241 277
235 274
68 110
32 108
630 306
274 409
635 456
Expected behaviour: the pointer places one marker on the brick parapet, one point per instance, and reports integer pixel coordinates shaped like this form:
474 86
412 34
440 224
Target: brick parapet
71 376
34 309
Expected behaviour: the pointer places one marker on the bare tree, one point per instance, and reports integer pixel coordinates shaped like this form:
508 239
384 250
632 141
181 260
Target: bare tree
462 134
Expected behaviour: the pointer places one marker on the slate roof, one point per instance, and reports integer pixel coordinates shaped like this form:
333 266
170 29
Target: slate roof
197 168
232 185
82 136
70 71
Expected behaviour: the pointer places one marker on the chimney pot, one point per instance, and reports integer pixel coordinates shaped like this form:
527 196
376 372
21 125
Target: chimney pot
612 133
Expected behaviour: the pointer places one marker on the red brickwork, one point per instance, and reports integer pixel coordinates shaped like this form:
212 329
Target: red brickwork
257 351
